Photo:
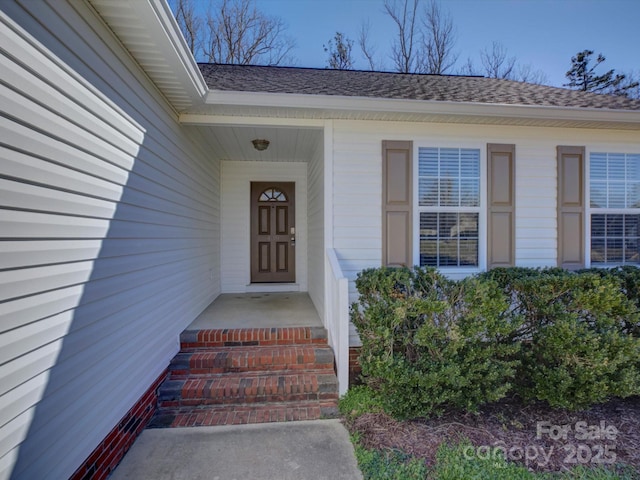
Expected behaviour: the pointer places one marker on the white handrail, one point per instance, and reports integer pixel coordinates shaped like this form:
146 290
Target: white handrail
337 314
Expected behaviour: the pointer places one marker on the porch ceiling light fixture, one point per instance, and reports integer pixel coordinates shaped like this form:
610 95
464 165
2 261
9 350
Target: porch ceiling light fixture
260 144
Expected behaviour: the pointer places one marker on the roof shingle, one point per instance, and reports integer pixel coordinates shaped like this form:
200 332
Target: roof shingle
445 88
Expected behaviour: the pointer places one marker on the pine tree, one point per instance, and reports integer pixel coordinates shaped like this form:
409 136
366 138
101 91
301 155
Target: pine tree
582 76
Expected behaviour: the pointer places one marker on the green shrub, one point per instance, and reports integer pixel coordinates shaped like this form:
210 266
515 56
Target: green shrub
359 400
628 278
576 353
429 343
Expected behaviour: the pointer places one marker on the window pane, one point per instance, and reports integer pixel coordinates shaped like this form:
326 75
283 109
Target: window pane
272 195
631 252
470 192
449 177
633 168
468 225
616 166
598 251
631 224
448 253
470 162
598 194
614 180
633 195
428 253
598 170
617 195
614 238
448 245
428 224
458 177
428 192
597 226
448 239
449 162
428 162
448 223
449 192
469 252
614 225
631 235
614 250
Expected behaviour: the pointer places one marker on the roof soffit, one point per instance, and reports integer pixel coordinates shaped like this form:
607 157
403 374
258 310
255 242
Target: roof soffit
147 28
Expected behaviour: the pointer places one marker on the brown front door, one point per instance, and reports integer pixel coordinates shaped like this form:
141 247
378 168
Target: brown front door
273 232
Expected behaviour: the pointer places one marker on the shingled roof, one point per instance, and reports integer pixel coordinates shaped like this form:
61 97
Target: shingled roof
445 88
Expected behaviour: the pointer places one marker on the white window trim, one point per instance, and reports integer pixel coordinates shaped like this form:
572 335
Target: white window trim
454 272
588 211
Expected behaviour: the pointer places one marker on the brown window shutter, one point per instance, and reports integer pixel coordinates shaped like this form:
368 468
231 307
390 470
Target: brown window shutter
571 235
397 199
501 188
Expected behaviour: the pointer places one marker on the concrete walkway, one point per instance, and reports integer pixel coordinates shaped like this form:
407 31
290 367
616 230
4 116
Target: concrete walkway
258 310
307 450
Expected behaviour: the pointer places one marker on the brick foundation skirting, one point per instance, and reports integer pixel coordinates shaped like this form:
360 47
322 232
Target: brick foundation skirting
354 366
106 456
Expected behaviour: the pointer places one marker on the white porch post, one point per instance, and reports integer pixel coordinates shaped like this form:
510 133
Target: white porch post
336 290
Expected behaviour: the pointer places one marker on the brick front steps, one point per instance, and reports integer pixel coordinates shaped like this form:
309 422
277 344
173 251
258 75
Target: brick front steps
239 376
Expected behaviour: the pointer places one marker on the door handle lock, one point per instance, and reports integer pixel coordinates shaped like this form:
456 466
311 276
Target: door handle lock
293 241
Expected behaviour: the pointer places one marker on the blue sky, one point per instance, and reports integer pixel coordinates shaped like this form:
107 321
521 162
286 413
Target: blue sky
543 33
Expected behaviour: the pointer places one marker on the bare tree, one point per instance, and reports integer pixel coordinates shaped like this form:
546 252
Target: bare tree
404 49
239 33
496 63
439 40
527 73
365 46
190 23
469 69
233 31
339 52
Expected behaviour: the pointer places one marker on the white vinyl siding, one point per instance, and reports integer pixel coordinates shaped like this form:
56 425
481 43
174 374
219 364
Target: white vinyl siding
109 235
235 200
358 183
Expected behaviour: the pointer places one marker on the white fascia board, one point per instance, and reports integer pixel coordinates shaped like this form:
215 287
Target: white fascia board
176 46
368 104
229 120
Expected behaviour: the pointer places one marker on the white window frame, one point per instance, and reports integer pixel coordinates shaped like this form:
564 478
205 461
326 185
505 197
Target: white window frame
591 210
453 272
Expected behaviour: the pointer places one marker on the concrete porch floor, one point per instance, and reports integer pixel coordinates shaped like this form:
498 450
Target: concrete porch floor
258 310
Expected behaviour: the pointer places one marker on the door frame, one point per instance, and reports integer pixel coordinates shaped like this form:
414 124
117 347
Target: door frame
234 234
285 238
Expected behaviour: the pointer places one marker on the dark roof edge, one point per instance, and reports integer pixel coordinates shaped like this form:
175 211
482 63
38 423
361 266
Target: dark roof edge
357 70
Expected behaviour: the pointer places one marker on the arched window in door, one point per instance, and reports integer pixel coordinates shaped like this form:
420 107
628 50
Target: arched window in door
272 194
